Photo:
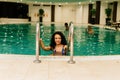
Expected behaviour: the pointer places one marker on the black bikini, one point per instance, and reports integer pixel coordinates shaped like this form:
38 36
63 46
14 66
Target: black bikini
63 51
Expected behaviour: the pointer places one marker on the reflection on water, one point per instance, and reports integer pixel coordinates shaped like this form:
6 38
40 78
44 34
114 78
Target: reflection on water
102 42
52 28
20 39
15 38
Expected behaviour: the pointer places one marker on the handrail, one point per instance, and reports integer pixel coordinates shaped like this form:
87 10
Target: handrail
71 31
37 43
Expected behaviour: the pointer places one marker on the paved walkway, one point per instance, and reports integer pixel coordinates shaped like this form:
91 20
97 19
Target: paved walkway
21 67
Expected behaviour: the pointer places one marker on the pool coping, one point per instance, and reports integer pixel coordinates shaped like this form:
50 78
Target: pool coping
58 58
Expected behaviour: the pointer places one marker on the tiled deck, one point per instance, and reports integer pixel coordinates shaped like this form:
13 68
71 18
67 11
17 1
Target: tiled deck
21 67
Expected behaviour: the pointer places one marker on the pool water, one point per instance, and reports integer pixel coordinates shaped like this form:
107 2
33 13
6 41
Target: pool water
20 39
102 42
17 39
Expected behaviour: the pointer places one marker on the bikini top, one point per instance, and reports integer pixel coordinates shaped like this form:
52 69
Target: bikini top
63 51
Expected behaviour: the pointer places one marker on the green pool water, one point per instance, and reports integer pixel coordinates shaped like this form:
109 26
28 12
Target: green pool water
20 39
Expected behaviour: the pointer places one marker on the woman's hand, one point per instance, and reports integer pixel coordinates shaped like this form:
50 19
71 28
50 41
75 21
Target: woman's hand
43 46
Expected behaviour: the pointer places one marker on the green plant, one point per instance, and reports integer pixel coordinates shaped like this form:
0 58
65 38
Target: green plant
93 11
108 12
41 12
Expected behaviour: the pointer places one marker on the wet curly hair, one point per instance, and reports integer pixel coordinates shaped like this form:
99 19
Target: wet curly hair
63 39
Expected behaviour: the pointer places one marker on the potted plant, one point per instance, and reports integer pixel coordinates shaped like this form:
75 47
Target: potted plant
108 14
93 13
41 14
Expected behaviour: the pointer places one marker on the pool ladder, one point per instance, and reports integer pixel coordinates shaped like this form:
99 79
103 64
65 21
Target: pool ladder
71 30
37 43
70 42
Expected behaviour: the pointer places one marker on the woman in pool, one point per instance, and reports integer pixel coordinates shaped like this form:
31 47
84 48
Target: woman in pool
58 44
66 27
90 30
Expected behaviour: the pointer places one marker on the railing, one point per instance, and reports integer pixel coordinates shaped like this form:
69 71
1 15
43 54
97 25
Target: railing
71 31
71 41
37 43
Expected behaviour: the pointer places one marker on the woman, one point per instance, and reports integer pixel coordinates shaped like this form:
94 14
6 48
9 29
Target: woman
89 30
66 27
58 44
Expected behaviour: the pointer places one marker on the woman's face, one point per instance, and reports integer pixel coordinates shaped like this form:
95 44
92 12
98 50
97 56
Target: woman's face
57 39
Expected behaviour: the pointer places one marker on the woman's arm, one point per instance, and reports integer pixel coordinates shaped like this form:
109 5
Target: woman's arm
43 46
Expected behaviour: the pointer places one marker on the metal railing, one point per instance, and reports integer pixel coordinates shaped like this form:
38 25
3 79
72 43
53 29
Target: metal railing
71 41
37 43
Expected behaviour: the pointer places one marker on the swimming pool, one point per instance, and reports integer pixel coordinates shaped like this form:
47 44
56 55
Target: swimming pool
20 39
